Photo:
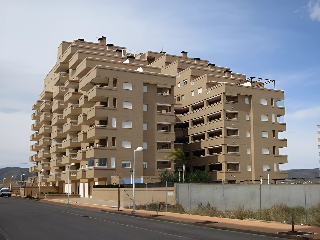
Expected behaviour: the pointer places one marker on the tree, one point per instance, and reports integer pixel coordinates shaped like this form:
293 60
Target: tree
179 155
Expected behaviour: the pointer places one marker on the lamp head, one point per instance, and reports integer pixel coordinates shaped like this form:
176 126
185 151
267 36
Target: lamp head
139 149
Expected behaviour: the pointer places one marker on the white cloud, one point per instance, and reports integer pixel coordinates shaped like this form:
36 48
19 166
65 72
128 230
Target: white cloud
314 9
308 113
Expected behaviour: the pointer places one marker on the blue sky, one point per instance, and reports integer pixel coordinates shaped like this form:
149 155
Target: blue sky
274 39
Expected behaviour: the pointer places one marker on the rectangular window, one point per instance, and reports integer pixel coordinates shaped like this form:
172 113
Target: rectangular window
145 88
199 90
114 102
273 118
249 168
126 164
247 133
127 86
246 100
265 151
127 105
265 167
113 144
274 150
247 117
185 82
248 151
114 122
280 103
145 145
145 126
264 134
275 167
178 85
126 144
263 101
182 97
273 133
126 124
264 118
115 82
144 165
272 102
192 93
280 118
145 107
113 162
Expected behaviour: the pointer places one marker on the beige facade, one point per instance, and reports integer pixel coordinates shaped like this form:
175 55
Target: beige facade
100 103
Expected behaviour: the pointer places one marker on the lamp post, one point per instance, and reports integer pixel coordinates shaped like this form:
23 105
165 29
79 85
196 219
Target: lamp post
72 164
3 182
39 181
268 176
21 182
139 149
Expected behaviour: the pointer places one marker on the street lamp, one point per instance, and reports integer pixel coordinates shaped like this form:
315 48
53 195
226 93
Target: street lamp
39 181
21 183
3 182
72 164
139 149
268 170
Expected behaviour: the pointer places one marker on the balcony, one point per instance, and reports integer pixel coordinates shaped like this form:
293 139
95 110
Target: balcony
74 83
84 103
57 148
98 172
165 136
72 97
164 109
58 106
34 158
35 147
45 117
71 126
44 153
96 152
46 95
44 166
71 110
35 126
99 132
60 78
72 175
46 106
100 94
68 159
96 75
81 155
81 174
71 143
59 93
37 105
82 136
99 112
35 136
55 177
36 115
45 129
33 169
58 133
82 119
164 146
58 120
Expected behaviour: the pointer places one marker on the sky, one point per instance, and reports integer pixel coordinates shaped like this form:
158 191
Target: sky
274 39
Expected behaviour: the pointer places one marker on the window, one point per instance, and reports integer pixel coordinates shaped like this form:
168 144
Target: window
114 122
113 162
192 93
127 105
273 133
182 97
265 151
127 86
115 81
265 167
274 150
185 82
145 107
247 133
247 117
199 90
280 103
273 118
264 134
145 88
126 144
248 151
126 164
144 165
263 101
264 118
114 102
249 168
178 85
126 124
145 126
272 102
113 142
246 100
275 167
145 145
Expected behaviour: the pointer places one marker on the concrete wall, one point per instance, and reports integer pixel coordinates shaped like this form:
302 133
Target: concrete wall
34 191
230 196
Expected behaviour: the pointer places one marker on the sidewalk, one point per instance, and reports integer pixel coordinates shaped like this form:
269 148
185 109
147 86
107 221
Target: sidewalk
249 226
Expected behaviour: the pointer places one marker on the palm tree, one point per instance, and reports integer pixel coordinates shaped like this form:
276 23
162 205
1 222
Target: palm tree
179 156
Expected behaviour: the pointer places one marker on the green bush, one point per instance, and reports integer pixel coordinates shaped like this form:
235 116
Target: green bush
195 177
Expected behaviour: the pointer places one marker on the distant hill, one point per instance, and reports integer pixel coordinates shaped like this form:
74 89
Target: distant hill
14 171
304 173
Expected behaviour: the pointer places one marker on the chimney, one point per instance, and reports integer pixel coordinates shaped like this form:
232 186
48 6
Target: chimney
81 39
196 60
211 65
184 54
131 59
119 52
110 46
102 40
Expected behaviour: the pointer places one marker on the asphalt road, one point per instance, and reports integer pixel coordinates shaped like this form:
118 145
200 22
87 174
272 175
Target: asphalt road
32 220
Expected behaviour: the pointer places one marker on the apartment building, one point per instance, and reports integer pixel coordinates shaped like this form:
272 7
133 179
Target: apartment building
100 103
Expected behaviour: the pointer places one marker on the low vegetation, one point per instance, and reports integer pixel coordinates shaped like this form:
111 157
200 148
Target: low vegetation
194 177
